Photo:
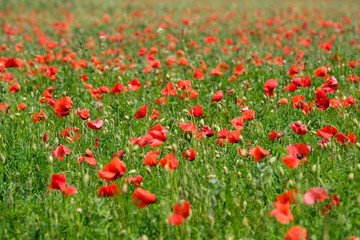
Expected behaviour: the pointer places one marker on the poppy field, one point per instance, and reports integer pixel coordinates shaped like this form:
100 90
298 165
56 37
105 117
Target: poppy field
180 120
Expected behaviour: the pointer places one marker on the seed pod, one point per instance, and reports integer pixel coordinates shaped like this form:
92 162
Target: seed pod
351 177
86 178
2 158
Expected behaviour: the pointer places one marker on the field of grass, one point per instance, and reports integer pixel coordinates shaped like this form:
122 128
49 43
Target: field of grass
215 171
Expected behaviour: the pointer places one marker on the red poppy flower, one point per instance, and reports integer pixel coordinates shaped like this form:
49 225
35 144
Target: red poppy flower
21 106
341 138
63 106
5 106
207 131
136 181
223 133
60 151
155 137
188 127
180 213
293 71
14 88
39 116
169 90
217 96
97 124
58 181
238 123
331 85
321 72
282 212
248 114
189 154
288 197
269 87
113 170
296 233
315 195
233 136
299 128
348 101
298 153
83 114
141 198
238 70
272 135
333 203
150 158
118 88
12 63
108 191
198 74
196 111
283 101
327 132
258 153
155 114
170 161
134 84
71 133
89 158
141 112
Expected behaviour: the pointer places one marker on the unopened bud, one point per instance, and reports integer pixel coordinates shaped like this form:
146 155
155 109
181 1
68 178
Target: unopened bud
2 158
51 160
281 170
226 171
174 147
86 178
351 177
124 188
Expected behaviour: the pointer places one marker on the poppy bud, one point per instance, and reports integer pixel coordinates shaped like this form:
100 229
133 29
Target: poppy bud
2 158
161 120
126 117
245 222
290 183
358 200
241 139
239 174
358 145
79 210
272 159
244 205
148 170
34 148
313 132
202 122
249 177
135 148
356 122
127 151
51 160
174 147
313 168
226 171
358 166
56 141
281 170
217 128
29 182
351 177
182 120
124 188
86 178
217 156
123 232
